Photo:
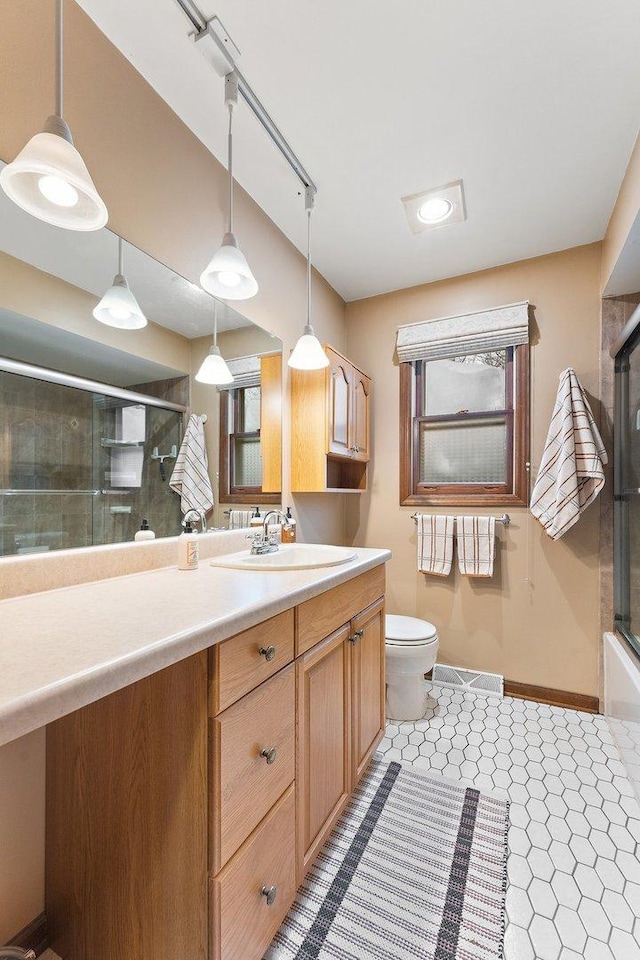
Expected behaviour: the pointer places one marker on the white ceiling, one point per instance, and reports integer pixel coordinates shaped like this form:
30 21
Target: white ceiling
535 106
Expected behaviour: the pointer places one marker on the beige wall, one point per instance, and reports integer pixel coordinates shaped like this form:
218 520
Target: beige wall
166 194
30 292
545 632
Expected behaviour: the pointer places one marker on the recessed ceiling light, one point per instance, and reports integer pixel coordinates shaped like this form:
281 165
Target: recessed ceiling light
434 208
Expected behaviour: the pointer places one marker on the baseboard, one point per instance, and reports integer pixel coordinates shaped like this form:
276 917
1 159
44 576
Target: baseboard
33 937
556 698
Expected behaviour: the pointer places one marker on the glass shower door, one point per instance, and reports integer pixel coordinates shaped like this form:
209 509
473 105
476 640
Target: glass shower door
627 495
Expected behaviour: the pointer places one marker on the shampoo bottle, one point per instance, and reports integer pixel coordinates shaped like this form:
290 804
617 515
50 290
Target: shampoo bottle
188 548
145 533
289 532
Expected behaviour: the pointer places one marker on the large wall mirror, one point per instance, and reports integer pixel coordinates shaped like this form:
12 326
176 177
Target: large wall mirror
91 417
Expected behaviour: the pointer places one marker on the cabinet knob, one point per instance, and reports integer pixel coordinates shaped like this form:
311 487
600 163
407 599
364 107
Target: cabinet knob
267 652
269 755
356 636
269 893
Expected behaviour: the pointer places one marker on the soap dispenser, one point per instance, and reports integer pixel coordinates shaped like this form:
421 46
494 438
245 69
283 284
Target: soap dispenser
256 519
188 548
289 529
145 532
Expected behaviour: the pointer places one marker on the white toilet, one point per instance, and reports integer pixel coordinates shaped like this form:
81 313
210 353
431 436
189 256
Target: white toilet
411 649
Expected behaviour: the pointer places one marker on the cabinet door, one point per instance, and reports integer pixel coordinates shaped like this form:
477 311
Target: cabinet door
340 405
367 685
361 413
323 773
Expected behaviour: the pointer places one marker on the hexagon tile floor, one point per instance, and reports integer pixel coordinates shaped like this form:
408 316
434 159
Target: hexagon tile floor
574 840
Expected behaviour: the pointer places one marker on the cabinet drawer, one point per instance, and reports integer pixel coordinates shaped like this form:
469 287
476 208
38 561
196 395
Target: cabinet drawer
237 665
242 922
319 617
244 786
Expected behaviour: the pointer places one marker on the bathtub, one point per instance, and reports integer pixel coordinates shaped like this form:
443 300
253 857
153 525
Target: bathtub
622 703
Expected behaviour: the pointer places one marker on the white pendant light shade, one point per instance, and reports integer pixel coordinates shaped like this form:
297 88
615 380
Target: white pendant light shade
308 353
49 178
214 369
228 275
50 181
119 308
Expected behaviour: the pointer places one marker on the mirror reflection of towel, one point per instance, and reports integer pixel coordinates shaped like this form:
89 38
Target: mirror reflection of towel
190 477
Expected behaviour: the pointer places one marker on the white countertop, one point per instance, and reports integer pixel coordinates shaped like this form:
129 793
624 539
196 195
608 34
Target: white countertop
65 648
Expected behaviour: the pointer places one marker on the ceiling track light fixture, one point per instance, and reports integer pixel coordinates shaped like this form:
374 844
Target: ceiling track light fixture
228 275
308 353
49 178
118 307
213 368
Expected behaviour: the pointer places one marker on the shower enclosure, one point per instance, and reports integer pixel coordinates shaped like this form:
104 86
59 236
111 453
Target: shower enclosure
80 461
626 353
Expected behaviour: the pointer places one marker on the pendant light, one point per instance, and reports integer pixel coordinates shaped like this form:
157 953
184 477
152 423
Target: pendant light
308 353
228 275
119 307
214 368
48 178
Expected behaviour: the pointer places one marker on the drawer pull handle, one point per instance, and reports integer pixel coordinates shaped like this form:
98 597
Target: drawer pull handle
357 636
270 757
267 652
269 893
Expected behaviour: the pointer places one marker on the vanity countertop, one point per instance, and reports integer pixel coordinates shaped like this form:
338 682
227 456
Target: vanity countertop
65 648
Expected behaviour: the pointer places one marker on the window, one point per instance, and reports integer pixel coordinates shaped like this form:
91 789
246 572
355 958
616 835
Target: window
464 429
240 455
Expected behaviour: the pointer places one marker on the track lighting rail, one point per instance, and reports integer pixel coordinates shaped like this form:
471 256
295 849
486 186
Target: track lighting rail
208 31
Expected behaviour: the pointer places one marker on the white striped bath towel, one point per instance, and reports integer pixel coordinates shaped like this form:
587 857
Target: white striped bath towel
190 477
476 538
239 519
435 544
571 472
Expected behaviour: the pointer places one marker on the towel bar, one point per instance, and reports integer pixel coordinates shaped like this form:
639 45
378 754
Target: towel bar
505 519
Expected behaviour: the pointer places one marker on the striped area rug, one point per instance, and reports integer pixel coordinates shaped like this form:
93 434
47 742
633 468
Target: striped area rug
416 868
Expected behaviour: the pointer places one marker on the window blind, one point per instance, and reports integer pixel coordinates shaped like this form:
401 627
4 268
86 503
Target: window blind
246 372
478 332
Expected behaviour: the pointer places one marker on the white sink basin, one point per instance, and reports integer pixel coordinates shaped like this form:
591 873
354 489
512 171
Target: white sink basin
290 556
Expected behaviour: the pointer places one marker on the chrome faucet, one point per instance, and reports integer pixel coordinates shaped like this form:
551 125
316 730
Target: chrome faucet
265 542
196 516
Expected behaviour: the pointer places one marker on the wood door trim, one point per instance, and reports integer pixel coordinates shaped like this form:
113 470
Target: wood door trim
34 936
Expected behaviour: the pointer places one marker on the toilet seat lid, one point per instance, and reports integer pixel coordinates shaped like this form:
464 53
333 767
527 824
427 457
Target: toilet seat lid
408 629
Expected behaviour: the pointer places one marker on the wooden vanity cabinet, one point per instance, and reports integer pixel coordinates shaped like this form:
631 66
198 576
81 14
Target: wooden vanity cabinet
340 719
330 427
184 810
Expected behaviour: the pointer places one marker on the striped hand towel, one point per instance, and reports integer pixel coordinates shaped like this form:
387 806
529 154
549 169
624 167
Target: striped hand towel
435 544
571 472
190 477
239 519
476 545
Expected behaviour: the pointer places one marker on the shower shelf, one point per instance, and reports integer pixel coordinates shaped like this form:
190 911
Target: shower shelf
49 493
121 443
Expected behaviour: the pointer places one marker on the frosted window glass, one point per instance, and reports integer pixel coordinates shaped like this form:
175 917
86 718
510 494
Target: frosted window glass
472 384
251 409
463 453
248 463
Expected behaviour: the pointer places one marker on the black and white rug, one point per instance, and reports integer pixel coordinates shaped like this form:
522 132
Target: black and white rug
416 868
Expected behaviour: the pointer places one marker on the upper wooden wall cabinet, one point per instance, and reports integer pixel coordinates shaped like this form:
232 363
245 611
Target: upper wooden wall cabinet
330 430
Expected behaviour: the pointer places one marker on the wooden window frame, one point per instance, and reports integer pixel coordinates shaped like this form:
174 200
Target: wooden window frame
515 491
229 493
